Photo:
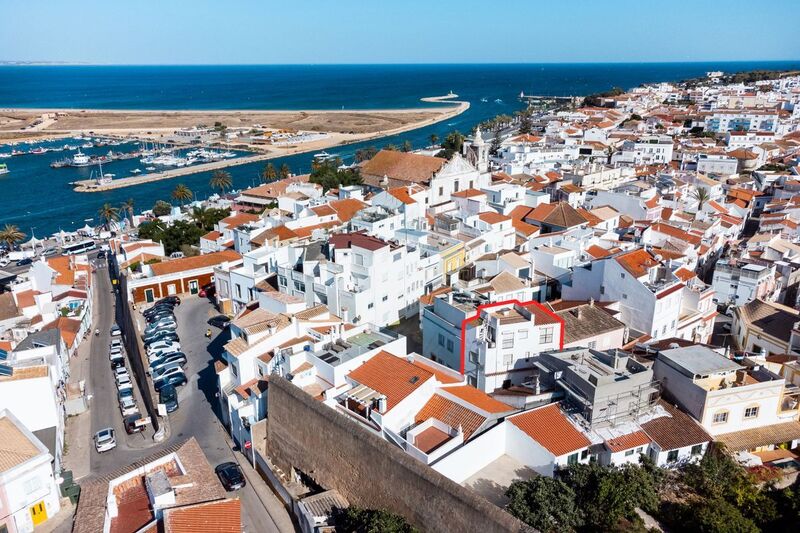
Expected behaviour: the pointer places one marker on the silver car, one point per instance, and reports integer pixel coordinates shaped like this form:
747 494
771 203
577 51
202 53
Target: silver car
105 440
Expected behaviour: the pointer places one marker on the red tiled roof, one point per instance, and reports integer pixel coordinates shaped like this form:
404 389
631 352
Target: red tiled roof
637 262
549 427
468 193
479 399
492 217
394 377
221 516
361 240
597 252
192 263
626 442
402 166
451 413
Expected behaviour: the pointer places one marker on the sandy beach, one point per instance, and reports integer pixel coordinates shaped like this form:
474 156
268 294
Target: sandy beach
340 126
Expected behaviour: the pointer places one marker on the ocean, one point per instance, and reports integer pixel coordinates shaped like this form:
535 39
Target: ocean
39 199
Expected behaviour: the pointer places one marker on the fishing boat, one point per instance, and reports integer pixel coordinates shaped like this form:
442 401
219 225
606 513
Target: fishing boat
498 101
325 156
136 171
484 100
87 145
18 152
4 168
38 150
4 155
150 169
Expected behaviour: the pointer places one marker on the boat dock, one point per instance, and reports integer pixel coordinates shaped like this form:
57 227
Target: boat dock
92 185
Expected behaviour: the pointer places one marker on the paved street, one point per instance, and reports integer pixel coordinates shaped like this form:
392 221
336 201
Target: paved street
196 416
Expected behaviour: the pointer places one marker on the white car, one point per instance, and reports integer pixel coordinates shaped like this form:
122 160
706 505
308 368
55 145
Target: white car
163 345
4 262
121 371
127 406
116 344
104 440
167 370
124 381
115 331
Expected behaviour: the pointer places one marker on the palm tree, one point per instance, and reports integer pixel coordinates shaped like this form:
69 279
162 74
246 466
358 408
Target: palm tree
127 208
269 174
221 180
434 139
284 172
199 216
182 193
108 214
10 234
701 195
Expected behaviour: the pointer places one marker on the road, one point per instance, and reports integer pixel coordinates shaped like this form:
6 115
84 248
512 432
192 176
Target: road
196 417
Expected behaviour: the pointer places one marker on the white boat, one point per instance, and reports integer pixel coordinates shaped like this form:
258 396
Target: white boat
4 155
4 168
150 169
87 145
484 100
498 101
80 159
136 171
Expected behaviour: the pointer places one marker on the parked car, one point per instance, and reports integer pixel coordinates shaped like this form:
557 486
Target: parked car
162 321
174 300
207 291
166 371
4 262
219 321
131 425
168 395
24 261
115 331
124 382
170 336
124 393
159 315
176 380
116 343
117 362
120 371
104 440
157 309
164 325
163 345
177 357
127 406
49 252
231 476
101 254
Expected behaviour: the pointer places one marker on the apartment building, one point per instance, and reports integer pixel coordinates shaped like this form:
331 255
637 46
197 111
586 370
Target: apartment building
738 283
744 405
756 120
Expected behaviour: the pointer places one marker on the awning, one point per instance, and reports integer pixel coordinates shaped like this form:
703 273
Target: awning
749 439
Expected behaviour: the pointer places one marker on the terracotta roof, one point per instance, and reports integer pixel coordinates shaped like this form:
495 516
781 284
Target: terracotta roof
626 442
468 193
550 428
479 399
404 193
676 430
637 262
684 274
358 239
442 377
597 252
451 413
67 327
403 166
192 263
238 219
492 217
271 191
676 233
565 216
222 516
26 298
394 377
15 447
212 236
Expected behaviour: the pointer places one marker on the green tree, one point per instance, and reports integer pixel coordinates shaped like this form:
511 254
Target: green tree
127 208
545 503
701 195
284 172
182 193
497 141
525 123
221 180
434 139
714 516
199 216
328 174
407 146
365 154
108 214
452 144
11 235
269 174
357 520
162 208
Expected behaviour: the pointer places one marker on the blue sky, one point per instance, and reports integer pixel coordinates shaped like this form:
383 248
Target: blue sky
408 31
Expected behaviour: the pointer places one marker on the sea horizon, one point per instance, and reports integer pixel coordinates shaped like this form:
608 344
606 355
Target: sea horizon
491 90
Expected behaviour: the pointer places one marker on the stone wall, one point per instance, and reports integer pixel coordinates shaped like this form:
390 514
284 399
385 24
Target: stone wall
338 454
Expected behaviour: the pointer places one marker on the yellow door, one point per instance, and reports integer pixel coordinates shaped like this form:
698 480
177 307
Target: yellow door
38 513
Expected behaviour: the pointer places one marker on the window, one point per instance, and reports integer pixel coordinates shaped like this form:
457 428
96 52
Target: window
450 345
697 449
359 259
455 186
602 289
508 359
672 456
385 297
584 454
234 371
572 459
370 305
441 339
629 453
624 296
397 256
441 191
473 357
720 417
508 340
472 380
622 275
751 412
640 449
522 334
545 335
592 345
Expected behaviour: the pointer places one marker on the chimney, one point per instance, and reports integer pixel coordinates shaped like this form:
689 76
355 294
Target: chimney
580 313
591 302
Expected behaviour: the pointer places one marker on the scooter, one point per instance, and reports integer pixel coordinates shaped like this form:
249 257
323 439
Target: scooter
97 333
208 333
